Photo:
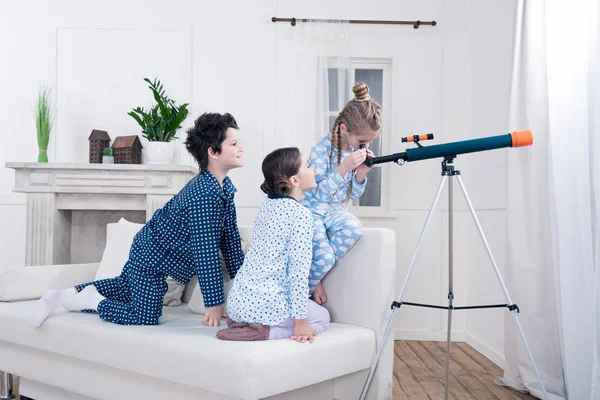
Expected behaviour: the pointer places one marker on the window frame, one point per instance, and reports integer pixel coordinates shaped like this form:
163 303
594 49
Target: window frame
386 137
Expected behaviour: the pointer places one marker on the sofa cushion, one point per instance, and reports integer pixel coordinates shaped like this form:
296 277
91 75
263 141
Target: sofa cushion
29 283
182 350
119 237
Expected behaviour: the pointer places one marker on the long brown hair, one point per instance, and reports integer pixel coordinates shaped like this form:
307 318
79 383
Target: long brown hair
357 113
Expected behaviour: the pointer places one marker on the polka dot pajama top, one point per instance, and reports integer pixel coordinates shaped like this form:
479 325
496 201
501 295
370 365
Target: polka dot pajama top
272 285
181 239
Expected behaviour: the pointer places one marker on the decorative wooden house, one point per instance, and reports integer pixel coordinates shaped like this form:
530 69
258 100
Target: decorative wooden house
99 140
127 150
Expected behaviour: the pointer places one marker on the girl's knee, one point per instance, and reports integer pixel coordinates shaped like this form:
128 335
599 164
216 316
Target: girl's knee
325 317
318 313
322 320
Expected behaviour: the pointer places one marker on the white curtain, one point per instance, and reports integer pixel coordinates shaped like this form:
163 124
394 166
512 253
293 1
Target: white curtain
302 82
552 195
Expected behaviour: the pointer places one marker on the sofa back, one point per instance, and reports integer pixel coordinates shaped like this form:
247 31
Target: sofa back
360 287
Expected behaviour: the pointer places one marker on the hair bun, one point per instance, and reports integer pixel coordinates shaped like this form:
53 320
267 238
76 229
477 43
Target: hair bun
361 92
266 187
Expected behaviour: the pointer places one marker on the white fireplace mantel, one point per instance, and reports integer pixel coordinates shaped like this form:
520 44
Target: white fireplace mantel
56 191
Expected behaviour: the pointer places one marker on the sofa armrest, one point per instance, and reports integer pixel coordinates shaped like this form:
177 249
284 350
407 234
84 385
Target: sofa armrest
29 283
360 291
360 287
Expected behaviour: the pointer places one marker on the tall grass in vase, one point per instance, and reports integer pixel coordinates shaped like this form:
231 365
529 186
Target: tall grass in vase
44 120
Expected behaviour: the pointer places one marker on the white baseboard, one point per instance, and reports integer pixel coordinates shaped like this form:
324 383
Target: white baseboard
488 352
13 199
427 335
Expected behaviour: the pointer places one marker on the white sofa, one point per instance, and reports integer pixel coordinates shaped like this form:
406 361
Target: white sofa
79 356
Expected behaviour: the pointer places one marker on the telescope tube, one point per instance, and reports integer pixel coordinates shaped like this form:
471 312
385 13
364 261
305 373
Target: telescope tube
513 139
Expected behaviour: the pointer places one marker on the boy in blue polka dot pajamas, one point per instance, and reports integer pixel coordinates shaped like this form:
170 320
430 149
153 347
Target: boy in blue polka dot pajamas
180 240
341 176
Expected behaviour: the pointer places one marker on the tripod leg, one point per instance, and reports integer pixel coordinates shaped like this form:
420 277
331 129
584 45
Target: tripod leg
6 388
412 263
508 299
450 279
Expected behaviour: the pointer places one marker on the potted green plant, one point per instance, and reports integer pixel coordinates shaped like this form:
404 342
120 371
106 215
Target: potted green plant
160 123
107 156
44 120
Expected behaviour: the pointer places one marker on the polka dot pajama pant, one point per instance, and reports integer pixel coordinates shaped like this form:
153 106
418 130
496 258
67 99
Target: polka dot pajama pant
345 230
133 298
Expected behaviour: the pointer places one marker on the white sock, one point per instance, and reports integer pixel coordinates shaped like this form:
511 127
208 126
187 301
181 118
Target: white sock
48 303
87 299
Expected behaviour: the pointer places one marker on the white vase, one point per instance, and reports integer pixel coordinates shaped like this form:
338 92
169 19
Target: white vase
159 152
108 160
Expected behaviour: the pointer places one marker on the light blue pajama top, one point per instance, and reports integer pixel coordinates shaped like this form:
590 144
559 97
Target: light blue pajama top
330 184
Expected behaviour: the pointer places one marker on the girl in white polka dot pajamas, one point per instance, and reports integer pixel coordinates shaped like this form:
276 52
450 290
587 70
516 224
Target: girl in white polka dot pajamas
269 296
341 176
180 240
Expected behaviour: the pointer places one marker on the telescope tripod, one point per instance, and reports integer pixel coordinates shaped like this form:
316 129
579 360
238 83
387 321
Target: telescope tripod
448 175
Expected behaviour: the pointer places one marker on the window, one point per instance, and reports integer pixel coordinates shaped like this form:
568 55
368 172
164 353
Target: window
376 74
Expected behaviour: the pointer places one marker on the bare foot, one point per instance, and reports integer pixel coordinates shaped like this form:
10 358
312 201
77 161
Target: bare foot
319 295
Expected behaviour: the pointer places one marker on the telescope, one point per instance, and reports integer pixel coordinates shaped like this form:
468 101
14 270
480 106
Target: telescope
449 174
451 150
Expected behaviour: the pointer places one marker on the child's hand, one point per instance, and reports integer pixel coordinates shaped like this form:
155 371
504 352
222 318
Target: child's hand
363 169
354 160
303 331
212 316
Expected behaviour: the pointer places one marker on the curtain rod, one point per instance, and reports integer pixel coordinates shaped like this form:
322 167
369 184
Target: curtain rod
415 24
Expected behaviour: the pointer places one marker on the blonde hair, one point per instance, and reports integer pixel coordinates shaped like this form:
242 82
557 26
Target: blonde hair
357 113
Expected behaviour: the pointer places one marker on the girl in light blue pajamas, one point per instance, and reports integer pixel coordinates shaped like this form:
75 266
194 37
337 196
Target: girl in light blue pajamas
341 176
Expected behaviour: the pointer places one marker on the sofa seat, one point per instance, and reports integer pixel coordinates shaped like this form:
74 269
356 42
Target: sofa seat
184 351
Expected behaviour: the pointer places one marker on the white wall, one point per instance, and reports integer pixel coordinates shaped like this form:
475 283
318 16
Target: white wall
490 46
221 56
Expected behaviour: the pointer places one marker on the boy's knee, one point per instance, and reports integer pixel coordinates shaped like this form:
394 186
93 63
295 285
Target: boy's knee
146 316
147 320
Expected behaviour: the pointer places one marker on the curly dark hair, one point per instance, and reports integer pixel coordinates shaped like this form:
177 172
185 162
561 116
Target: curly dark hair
208 132
278 166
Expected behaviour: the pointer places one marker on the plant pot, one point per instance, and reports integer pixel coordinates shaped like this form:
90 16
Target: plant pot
108 160
159 152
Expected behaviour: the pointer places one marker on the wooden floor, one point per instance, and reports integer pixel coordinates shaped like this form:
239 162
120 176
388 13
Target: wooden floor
420 373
